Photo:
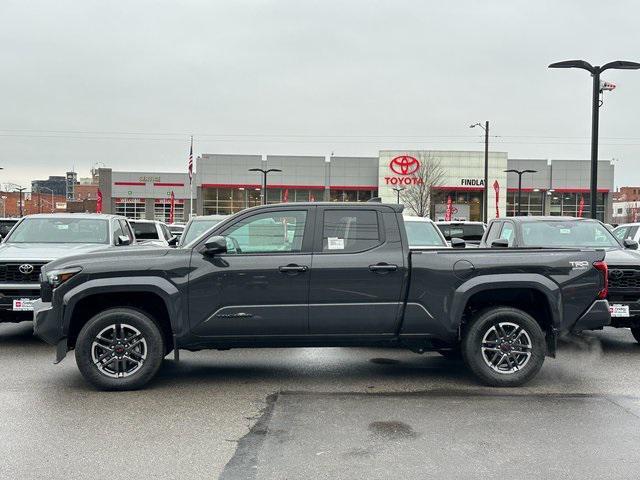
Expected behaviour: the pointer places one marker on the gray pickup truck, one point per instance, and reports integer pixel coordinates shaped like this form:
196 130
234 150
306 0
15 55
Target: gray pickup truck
314 275
621 256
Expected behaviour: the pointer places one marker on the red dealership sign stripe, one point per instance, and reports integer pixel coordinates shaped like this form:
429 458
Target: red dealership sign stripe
167 184
130 184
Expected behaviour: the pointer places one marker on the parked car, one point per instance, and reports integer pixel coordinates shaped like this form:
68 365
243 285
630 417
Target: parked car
317 274
198 225
6 224
36 240
470 232
627 230
153 232
423 233
552 232
176 230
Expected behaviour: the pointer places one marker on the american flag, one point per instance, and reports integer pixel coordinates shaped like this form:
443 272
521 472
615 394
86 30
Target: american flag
191 161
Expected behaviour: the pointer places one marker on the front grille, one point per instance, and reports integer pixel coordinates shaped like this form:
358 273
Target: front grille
10 272
624 278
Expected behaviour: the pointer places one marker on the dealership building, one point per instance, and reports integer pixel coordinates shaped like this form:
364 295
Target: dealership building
223 184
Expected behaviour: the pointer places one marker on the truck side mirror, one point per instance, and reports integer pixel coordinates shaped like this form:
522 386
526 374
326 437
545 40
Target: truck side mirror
123 240
215 244
630 244
500 243
458 243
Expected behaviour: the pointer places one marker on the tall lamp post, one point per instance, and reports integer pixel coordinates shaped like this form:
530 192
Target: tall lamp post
486 167
520 173
264 180
595 71
20 189
398 190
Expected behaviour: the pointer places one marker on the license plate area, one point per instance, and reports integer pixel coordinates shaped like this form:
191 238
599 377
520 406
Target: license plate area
619 310
23 304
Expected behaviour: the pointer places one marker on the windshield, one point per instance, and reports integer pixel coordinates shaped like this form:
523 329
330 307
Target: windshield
571 233
423 234
145 231
473 232
60 230
197 228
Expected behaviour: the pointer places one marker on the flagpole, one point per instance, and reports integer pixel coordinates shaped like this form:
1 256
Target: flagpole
191 181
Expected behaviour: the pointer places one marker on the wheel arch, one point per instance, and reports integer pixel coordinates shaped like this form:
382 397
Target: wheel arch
155 297
534 294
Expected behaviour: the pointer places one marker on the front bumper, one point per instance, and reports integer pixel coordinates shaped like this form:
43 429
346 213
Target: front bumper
596 317
11 292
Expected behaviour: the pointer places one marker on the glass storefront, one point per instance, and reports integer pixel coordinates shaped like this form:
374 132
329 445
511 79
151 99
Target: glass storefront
352 195
132 208
532 203
225 201
467 203
162 210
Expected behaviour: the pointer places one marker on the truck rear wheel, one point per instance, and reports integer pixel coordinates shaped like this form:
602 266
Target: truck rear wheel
504 347
119 349
635 331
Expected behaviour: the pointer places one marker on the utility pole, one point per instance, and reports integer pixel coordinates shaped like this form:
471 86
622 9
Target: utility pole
486 168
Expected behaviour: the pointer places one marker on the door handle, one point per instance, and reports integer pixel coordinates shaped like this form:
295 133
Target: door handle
383 268
292 268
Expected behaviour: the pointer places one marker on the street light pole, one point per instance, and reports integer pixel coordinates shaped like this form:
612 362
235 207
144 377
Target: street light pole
486 168
520 173
264 180
47 188
20 189
398 190
595 71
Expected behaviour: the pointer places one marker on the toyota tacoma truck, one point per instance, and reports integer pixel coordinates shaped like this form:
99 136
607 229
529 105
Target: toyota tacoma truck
38 239
621 255
317 275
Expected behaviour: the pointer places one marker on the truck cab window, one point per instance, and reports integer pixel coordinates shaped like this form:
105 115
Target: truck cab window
272 232
350 231
508 233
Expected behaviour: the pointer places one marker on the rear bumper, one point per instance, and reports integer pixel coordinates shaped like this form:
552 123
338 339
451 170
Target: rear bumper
597 316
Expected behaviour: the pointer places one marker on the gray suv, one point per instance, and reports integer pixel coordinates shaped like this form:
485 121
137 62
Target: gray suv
39 239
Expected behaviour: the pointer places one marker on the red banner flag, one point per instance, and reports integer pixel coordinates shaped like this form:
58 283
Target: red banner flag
496 187
581 209
172 207
98 202
447 215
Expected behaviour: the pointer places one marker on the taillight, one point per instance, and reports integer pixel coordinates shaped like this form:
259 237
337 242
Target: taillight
602 266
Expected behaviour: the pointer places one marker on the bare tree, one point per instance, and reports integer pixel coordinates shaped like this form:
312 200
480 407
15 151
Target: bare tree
417 195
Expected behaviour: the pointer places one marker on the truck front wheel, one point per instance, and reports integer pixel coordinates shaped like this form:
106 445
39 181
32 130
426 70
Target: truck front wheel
119 349
504 347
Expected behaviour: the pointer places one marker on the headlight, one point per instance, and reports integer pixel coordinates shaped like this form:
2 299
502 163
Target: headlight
56 278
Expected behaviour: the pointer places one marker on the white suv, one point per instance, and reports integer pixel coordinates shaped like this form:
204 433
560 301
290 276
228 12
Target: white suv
153 232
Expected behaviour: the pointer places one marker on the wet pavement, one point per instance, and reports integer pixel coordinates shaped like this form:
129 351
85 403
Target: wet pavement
322 413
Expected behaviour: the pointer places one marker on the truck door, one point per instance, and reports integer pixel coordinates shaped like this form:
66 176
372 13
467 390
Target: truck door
358 272
261 285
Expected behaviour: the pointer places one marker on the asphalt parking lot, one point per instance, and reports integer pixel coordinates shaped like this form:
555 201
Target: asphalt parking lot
322 413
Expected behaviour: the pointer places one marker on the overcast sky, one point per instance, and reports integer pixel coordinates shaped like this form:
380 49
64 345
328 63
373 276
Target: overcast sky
126 83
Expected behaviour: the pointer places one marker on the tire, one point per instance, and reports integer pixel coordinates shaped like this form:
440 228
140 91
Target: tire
133 342
489 345
635 331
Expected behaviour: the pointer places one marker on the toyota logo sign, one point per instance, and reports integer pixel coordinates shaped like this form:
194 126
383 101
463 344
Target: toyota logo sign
25 268
404 165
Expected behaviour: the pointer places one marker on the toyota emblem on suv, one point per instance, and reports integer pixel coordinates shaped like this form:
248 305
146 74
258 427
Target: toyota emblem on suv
25 268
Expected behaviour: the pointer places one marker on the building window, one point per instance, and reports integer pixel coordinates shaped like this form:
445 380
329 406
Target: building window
532 203
132 208
337 195
225 201
162 210
467 205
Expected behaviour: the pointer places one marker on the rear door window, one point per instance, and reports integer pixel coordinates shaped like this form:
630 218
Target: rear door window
347 231
145 231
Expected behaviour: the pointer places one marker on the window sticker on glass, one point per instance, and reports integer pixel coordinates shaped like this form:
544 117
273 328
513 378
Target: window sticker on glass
335 243
565 231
